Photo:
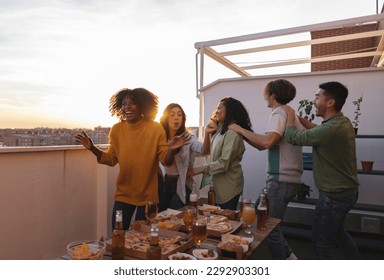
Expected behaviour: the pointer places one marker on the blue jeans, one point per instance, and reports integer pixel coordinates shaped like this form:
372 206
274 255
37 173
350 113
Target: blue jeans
328 227
279 195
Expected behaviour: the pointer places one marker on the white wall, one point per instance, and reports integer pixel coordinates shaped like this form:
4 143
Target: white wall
49 197
367 82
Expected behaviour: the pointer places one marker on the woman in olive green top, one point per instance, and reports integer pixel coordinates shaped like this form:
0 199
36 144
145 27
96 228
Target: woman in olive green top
227 149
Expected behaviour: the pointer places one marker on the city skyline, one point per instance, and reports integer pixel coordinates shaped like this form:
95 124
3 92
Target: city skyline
61 61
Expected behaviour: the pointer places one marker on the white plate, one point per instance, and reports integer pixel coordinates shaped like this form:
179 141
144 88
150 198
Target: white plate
181 256
235 238
201 253
169 212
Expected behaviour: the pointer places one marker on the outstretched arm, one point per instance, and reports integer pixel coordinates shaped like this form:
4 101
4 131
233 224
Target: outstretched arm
258 141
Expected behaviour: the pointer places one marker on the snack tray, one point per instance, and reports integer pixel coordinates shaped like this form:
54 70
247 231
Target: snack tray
163 233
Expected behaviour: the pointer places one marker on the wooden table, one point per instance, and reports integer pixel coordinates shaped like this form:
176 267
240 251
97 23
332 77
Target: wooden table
259 237
211 242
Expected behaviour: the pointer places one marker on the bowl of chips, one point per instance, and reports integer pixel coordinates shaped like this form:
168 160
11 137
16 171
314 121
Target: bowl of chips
86 250
181 256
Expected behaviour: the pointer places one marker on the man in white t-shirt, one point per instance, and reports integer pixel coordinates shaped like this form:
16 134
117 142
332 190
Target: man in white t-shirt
285 164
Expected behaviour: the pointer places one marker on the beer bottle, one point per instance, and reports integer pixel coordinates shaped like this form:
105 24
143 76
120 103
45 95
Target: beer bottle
261 214
118 237
193 200
211 195
265 192
154 250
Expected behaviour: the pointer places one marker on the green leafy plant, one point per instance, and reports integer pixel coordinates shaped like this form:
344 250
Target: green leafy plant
305 109
357 111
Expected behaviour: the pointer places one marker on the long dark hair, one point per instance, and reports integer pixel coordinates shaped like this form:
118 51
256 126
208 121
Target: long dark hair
235 113
147 102
164 119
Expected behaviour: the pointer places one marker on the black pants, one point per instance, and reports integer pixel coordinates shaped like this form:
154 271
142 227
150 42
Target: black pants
230 204
168 194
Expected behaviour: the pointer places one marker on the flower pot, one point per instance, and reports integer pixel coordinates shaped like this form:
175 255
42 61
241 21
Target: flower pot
367 165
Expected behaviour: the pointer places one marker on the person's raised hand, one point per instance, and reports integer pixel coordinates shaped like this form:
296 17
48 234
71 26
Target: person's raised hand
211 126
235 127
84 140
289 110
179 141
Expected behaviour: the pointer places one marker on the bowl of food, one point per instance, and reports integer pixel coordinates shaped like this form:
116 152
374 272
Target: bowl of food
181 256
86 250
205 254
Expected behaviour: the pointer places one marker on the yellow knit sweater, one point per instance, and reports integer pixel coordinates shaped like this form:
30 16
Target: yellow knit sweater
137 148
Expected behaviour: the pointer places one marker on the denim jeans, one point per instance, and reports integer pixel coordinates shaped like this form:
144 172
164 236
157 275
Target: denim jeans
328 227
279 195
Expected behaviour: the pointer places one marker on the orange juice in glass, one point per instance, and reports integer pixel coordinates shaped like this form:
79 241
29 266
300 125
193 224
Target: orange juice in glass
248 216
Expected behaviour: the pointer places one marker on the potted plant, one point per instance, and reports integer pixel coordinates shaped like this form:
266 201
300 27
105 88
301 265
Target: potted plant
303 192
357 113
305 109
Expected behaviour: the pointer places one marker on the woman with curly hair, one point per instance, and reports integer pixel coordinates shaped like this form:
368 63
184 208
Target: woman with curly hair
137 143
178 182
226 152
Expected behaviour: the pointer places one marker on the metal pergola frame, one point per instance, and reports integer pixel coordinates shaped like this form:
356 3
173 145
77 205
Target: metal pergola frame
226 58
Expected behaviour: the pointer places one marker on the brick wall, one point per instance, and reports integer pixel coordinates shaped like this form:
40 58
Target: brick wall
342 47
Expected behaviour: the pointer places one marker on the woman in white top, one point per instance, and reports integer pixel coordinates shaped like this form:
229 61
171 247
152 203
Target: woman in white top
178 181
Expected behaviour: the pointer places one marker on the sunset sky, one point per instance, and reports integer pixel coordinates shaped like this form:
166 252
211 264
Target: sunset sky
60 61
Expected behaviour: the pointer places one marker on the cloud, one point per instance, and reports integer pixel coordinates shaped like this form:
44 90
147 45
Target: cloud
61 57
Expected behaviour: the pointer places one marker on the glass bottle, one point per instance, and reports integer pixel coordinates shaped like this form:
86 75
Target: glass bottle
261 214
193 200
154 249
118 237
211 195
265 192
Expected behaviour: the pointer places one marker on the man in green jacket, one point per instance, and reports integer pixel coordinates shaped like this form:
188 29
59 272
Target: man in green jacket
334 169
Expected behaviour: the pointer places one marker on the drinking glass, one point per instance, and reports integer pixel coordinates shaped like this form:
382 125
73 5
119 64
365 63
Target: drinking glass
151 208
189 216
242 202
248 216
199 231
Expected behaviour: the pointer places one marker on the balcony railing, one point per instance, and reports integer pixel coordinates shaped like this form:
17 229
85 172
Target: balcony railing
51 196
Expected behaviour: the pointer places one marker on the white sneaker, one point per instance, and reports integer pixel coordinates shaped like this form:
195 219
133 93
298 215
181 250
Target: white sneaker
292 256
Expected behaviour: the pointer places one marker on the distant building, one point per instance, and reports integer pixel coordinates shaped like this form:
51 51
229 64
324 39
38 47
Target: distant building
49 136
42 136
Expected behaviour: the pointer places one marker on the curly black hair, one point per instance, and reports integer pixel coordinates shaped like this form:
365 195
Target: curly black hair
147 102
